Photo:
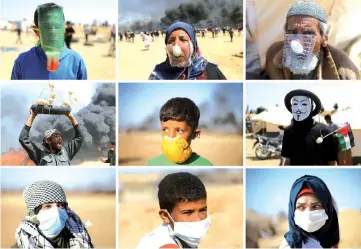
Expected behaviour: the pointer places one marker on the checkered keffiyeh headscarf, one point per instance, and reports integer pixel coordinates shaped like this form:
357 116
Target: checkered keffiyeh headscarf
50 132
311 9
28 237
42 192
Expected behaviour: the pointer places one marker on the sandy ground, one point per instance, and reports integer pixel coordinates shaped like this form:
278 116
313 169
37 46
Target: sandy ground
251 159
98 208
221 149
99 65
135 63
139 215
349 224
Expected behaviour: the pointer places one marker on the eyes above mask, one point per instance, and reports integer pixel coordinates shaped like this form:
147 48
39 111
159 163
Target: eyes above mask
52 221
310 221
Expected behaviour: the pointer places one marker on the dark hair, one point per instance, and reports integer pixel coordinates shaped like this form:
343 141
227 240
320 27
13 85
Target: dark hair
36 14
180 187
328 117
180 109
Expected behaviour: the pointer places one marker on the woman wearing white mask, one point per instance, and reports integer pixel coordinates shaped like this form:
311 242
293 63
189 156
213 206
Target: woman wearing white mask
183 210
184 60
312 217
49 222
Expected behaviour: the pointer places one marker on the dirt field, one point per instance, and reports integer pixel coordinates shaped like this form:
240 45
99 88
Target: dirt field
135 63
139 215
99 65
251 159
98 208
220 149
349 223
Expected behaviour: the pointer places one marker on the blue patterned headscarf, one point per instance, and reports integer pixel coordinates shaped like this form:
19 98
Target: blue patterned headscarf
166 72
311 9
329 234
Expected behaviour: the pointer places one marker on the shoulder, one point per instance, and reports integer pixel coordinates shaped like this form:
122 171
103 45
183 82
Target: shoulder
72 55
27 54
284 245
156 239
213 72
274 49
155 161
346 68
201 161
323 127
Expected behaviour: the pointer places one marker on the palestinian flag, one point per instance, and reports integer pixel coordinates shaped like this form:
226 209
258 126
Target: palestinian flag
345 137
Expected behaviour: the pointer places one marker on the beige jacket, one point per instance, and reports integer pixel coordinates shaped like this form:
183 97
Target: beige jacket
335 65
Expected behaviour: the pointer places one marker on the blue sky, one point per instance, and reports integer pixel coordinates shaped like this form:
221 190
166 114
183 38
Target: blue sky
138 101
83 11
69 178
267 190
270 94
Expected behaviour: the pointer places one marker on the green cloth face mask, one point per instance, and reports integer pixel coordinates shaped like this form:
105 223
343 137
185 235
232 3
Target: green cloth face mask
51 28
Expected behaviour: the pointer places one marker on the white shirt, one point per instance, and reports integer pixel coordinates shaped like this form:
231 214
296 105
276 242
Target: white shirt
156 239
311 243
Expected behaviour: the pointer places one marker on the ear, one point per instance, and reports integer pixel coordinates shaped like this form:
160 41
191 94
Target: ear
164 216
36 30
325 41
197 134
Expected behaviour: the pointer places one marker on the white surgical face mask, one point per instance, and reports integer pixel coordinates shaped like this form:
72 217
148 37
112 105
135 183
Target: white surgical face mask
191 232
310 221
301 107
52 221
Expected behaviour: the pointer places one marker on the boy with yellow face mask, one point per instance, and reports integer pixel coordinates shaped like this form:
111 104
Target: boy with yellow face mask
179 119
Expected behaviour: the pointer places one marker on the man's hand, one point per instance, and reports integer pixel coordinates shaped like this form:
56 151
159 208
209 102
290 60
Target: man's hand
32 113
31 118
102 159
72 118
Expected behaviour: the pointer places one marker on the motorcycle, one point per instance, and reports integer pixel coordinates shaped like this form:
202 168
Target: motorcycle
267 147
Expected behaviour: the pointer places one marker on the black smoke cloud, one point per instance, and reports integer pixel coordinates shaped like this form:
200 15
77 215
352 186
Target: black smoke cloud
222 112
96 121
199 13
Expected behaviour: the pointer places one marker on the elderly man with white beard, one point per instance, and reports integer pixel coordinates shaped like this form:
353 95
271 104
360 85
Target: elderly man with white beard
307 142
305 53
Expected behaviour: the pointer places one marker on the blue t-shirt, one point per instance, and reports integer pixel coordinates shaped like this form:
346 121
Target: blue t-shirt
31 65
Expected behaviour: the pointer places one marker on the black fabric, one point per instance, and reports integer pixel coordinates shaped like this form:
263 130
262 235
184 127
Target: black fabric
111 158
43 157
69 32
299 144
213 72
329 234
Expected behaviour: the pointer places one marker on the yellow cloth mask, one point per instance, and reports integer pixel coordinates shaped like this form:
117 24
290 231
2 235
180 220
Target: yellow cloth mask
176 149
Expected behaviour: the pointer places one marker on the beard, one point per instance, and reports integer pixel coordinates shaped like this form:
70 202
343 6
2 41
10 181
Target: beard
306 68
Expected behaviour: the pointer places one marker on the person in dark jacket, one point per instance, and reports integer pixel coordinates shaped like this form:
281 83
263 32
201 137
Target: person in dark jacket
52 152
112 157
184 59
49 222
